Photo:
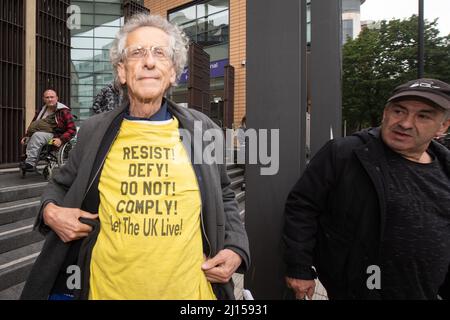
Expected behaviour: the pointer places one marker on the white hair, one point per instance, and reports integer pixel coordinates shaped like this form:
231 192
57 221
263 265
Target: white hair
178 42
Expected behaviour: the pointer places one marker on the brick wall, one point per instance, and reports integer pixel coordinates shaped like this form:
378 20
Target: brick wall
238 55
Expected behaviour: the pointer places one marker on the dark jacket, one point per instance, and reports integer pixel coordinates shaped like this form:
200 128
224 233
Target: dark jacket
107 99
335 214
65 126
75 186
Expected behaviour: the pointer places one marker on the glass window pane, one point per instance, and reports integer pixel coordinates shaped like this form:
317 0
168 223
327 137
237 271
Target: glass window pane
218 20
218 36
102 43
190 29
103 67
78 78
82 43
183 16
202 25
82 90
84 31
218 52
218 5
83 66
106 20
106 32
201 10
103 78
85 7
87 19
110 1
108 8
101 55
79 54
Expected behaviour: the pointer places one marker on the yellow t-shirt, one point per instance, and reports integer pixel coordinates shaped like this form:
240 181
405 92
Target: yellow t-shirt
150 241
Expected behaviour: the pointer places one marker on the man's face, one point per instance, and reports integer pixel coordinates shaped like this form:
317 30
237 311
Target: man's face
147 78
50 98
408 126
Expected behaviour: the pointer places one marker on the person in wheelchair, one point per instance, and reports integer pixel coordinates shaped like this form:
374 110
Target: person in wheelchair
53 124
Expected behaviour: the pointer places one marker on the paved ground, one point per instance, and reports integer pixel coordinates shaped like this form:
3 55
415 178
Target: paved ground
12 178
319 294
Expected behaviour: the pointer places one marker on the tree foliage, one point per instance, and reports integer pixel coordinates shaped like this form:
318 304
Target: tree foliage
382 58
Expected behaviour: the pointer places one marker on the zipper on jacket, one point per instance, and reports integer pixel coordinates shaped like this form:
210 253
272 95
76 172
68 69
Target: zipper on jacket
101 165
201 207
204 232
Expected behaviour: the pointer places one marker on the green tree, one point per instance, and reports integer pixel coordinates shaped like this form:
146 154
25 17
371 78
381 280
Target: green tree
382 58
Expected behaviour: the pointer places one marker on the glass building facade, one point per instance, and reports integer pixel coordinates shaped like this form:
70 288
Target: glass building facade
90 66
207 24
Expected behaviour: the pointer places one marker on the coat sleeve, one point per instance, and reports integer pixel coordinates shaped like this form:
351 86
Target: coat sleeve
305 203
69 125
235 235
61 182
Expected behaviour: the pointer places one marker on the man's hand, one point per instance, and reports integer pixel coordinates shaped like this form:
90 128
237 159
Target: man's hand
57 142
301 287
221 267
65 222
23 140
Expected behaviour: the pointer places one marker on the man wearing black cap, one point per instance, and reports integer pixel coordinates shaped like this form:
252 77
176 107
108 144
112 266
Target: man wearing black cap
371 211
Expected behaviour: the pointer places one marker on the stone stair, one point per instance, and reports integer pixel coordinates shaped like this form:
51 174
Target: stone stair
20 245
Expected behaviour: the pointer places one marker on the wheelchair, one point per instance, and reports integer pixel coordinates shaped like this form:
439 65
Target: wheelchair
53 157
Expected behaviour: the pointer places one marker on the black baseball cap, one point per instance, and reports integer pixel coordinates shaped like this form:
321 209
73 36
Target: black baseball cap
433 90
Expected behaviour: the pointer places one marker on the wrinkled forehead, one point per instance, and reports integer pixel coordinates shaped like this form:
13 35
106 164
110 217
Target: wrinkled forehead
147 37
49 94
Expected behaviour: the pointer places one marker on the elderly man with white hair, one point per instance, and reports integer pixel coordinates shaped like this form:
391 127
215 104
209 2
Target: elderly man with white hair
131 214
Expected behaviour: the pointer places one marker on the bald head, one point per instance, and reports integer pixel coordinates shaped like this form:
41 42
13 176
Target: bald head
50 98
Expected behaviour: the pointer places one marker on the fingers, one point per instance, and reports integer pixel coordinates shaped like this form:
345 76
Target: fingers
301 288
218 275
310 293
83 228
88 215
214 261
221 267
65 222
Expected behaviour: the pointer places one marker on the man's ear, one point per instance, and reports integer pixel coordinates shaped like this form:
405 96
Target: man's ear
173 76
121 73
384 113
444 127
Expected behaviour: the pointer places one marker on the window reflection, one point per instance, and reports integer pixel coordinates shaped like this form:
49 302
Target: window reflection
91 69
207 24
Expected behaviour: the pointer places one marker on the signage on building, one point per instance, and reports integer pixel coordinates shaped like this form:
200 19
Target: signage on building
216 70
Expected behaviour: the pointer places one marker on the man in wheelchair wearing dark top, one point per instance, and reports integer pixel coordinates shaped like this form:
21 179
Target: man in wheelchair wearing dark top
53 124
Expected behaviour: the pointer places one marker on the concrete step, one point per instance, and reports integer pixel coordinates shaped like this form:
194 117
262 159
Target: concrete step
231 166
16 264
21 191
241 207
18 210
18 234
12 293
240 196
237 182
236 172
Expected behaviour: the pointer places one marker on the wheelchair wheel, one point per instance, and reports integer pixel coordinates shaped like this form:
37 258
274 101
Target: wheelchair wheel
47 173
63 153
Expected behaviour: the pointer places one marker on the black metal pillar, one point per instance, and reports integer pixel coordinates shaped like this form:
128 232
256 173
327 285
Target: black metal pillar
276 99
421 54
326 65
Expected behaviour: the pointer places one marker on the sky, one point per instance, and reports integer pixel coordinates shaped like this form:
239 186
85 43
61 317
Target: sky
388 9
